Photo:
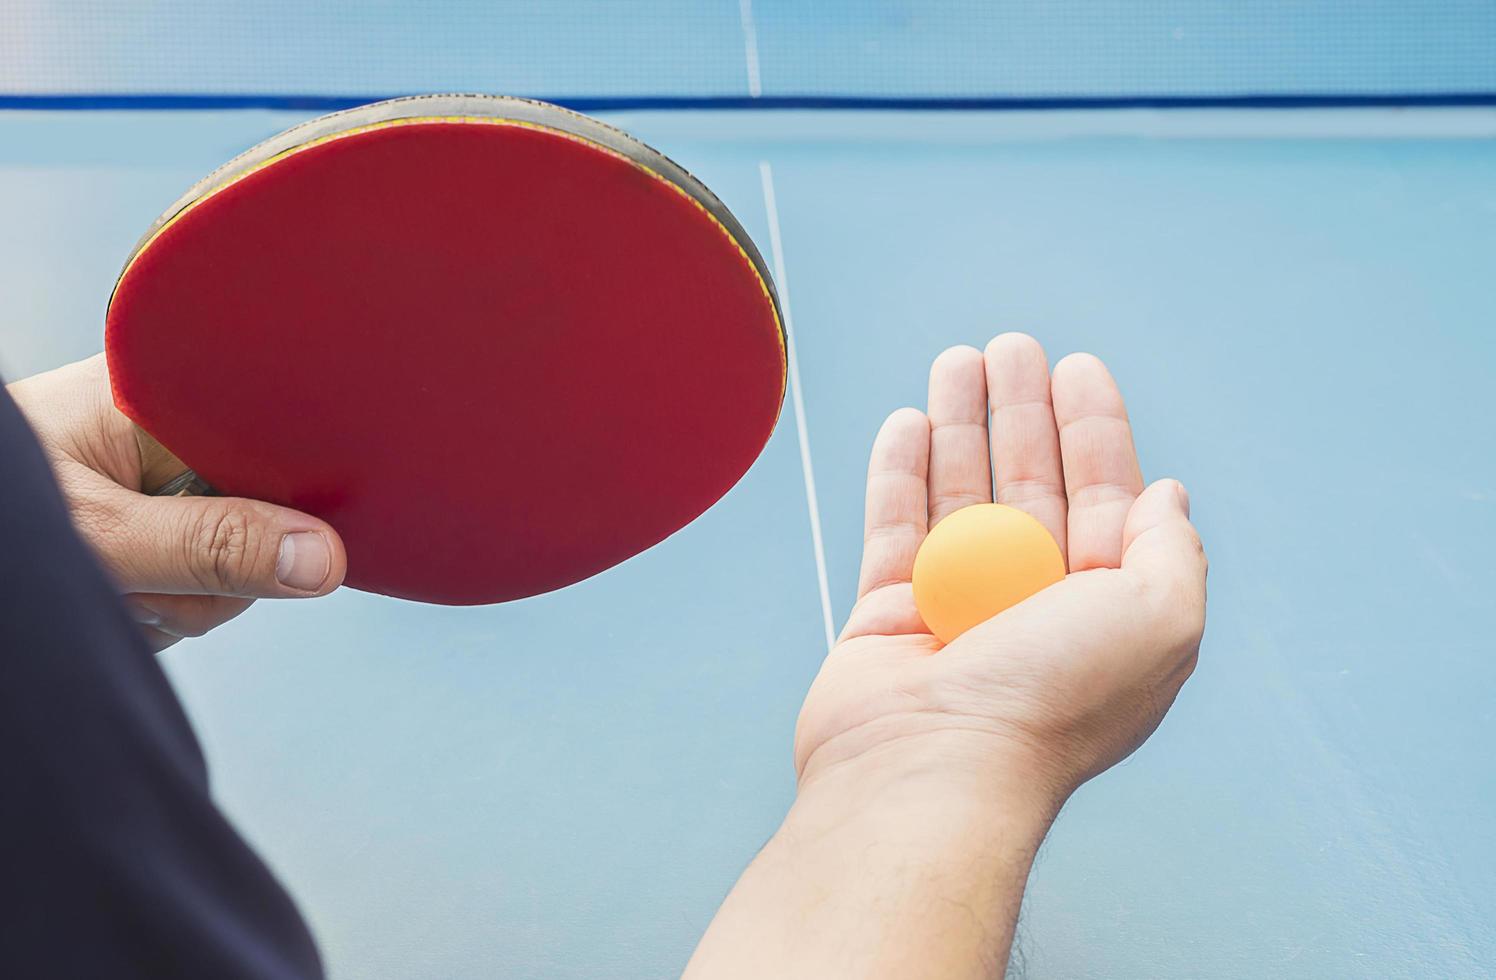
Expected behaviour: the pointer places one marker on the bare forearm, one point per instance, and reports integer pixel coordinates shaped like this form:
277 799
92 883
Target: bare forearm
903 876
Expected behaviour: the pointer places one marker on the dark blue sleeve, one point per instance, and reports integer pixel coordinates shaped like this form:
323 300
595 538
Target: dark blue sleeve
114 861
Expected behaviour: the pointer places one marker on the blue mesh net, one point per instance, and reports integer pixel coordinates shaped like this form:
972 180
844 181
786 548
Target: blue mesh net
744 48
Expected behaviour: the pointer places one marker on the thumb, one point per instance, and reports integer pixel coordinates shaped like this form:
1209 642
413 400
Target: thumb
1161 546
228 546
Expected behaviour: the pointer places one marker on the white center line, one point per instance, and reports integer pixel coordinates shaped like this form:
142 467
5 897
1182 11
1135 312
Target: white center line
797 399
750 46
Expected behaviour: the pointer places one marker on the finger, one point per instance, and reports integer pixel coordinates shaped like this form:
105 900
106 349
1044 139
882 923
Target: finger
1102 478
184 615
158 640
897 509
960 470
223 546
1025 443
1163 549
889 611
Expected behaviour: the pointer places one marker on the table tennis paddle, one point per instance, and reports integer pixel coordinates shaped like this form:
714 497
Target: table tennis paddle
499 346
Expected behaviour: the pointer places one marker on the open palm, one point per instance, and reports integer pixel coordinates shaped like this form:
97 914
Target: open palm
1067 682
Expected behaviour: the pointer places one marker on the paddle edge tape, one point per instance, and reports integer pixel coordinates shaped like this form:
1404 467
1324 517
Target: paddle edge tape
480 110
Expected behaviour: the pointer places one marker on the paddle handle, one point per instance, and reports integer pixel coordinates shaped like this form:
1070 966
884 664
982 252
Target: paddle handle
187 484
163 475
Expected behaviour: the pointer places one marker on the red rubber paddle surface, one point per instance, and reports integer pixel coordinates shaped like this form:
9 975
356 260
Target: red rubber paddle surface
495 358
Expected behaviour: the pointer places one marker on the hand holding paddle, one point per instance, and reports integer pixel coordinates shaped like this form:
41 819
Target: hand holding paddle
187 564
497 345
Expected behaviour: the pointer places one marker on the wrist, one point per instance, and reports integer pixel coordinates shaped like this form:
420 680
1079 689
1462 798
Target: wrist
934 799
962 769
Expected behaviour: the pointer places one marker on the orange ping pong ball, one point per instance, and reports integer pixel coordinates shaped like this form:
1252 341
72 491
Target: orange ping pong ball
979 561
